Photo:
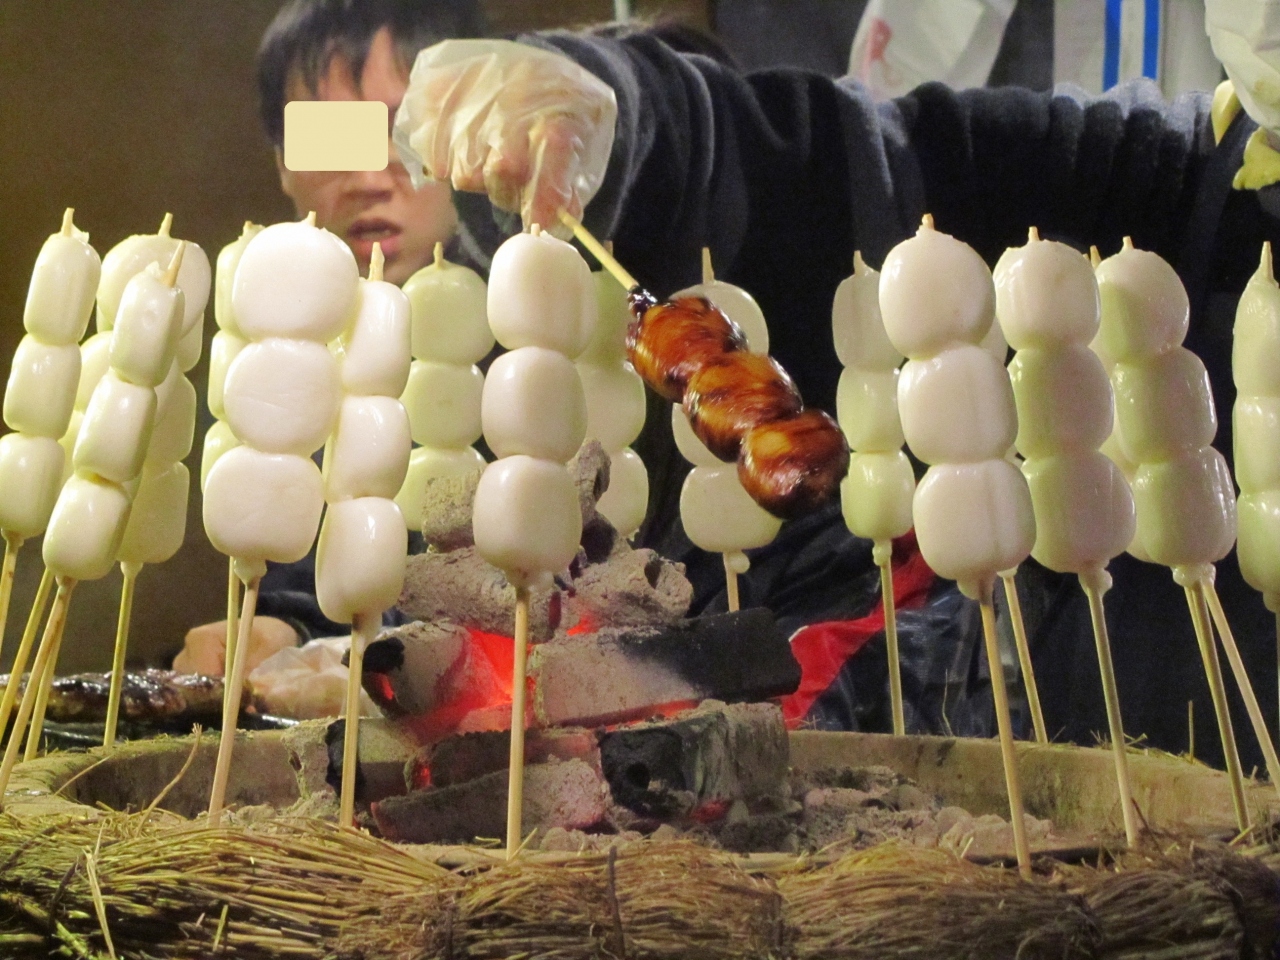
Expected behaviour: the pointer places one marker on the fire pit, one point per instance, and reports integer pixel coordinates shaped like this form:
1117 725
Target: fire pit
273 883
670 812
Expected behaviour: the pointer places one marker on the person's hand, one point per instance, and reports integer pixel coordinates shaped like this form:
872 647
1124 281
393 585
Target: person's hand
205 648
530 128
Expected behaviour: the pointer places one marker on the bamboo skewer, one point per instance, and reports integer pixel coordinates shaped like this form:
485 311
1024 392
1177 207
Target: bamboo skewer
231 703
130 572
52 634
45 687
233 626
730 583
515 777
1213 673
1004 724
9 566
28 640
1119 747
1024 655
1209 593
883 553
607 260
730 574
361 634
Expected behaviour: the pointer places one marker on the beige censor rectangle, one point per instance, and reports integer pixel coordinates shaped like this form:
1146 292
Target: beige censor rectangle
335 135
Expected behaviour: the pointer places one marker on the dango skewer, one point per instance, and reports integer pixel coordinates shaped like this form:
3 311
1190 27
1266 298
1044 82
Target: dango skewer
742 406
1255 367
38 407
227 344
715 509
1186 517
996 345
973 512
875 497
88 522
1048 304
526 518
360 558
143 339
158 514
294 291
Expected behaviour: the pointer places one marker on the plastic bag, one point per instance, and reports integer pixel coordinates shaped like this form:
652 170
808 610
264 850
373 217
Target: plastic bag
307 682
900 44
530 128
1245 35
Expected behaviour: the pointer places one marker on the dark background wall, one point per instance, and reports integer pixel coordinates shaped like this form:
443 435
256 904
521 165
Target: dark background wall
126 110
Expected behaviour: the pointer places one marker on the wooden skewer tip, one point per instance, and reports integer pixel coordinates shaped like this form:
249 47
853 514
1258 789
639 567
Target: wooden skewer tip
708 271
437 255
376 262
175 264
1095 257
926 222
68 222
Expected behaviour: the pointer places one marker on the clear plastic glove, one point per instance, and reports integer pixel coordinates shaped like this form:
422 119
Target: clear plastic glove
530 128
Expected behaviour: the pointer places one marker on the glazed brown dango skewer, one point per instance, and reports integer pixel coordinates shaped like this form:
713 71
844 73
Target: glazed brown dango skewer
741 405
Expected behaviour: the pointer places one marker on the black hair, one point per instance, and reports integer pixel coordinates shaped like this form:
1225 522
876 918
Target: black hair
306 35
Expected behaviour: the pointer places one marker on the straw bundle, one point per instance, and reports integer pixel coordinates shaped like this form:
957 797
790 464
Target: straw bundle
904 903
673 900
163 887
1162 915
285 891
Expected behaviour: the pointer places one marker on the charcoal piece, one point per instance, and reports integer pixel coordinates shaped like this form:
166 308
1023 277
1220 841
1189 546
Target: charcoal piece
408 670
446 510
383 753
461 586
590 470
665 768
470 755
631 588
566 794
615 674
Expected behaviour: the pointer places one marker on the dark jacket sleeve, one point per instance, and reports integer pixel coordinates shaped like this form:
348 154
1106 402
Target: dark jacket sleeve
783 174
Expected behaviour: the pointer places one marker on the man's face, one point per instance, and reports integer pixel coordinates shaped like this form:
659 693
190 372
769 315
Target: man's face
382 206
